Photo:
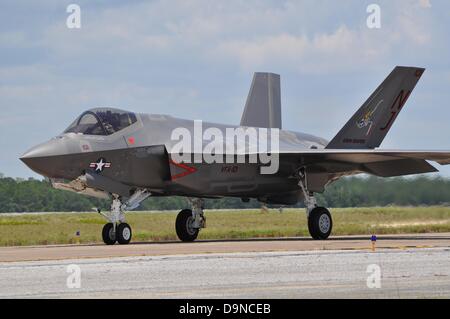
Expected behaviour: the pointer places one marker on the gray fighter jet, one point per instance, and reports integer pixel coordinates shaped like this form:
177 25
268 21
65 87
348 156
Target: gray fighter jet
128 157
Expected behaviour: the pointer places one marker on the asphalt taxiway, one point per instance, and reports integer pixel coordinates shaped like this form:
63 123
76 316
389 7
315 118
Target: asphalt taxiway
59 252
416 266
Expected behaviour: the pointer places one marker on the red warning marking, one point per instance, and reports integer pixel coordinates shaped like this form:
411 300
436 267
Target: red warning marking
131 140
187 170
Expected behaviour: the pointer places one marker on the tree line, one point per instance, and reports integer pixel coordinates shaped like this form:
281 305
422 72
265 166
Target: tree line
32 195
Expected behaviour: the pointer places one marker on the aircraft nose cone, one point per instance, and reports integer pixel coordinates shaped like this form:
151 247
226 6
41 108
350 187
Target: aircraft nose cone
38 157
36 151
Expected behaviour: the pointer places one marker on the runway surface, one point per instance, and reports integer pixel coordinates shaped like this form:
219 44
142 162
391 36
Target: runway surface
415 266
416 273
10 254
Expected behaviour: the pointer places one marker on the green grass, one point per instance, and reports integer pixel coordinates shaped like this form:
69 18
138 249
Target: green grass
59 228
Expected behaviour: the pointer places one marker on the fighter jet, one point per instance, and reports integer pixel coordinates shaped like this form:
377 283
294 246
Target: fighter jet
127 157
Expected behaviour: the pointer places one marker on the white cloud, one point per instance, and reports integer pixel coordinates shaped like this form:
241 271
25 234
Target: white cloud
425 3
413 31
255 34
252 54
322 52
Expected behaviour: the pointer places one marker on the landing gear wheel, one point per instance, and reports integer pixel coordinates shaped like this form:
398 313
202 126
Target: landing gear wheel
108 234
320 223
183 226
123 233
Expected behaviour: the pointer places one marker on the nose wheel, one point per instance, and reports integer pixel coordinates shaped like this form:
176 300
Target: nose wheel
109 234
121 233
117 230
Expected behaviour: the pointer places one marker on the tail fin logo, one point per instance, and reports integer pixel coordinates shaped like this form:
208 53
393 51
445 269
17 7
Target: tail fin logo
367 118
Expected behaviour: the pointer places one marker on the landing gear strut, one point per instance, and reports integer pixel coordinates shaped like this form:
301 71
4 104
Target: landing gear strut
320 222
189 222
117 230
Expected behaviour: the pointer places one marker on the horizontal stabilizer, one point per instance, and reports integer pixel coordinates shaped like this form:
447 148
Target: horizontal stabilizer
385 163
263 106
399 167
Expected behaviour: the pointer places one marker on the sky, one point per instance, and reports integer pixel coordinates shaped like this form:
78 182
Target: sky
195 59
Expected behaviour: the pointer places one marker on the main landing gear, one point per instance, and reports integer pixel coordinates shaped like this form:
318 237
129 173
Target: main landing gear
320 222
117 230
189 222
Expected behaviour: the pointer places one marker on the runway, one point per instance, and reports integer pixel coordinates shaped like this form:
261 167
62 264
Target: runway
410 273
60 252
410 266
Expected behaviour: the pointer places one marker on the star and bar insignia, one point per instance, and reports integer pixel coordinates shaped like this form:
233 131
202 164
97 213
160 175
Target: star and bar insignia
100 165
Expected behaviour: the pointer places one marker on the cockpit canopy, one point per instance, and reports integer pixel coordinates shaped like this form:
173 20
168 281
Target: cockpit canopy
102 121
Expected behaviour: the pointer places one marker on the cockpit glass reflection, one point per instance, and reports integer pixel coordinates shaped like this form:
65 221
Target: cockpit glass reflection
104 121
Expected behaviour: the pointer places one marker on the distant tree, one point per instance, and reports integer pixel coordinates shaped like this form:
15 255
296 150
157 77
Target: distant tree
32 195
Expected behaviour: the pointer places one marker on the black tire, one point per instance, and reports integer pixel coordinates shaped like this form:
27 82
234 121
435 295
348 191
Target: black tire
320 223
108 235
184 232
124 234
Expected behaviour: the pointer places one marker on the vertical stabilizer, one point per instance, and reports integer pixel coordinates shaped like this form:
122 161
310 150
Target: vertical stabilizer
369 125
263 106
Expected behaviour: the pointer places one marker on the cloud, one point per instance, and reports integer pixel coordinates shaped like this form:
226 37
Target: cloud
194 58
425 3
346 47
252 54
253 34
319 53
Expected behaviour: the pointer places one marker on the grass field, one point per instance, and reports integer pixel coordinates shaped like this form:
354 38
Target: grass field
59 228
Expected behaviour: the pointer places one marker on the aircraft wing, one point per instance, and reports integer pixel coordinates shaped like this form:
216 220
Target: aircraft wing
385 163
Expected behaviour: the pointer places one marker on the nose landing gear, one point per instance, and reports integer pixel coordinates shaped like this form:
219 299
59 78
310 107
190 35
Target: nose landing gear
117 230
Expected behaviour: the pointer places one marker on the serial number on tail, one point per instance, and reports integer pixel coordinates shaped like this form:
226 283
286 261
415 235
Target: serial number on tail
354 141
